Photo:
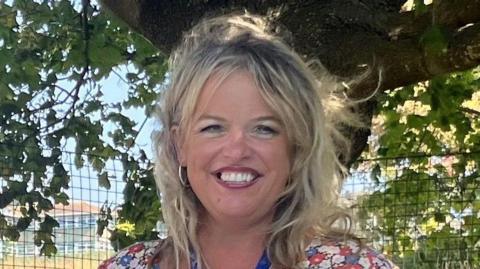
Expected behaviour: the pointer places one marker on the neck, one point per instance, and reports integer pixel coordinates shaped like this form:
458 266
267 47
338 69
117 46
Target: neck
220 239
231 232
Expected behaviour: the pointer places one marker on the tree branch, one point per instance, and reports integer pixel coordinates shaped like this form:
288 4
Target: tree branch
452 14
74 94
360 34
348 37
405 62
470 111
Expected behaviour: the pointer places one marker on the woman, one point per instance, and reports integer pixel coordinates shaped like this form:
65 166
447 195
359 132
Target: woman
247 167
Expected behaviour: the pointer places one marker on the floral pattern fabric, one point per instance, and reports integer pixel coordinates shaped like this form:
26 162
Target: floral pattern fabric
344 255
134 256
320 255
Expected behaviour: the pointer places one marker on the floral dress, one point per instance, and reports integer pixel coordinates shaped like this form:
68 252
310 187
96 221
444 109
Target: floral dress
320 255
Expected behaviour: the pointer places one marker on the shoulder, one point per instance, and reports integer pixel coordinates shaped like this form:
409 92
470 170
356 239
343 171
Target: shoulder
135 256
344 254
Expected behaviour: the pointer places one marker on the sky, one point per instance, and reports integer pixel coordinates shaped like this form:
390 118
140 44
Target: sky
84 182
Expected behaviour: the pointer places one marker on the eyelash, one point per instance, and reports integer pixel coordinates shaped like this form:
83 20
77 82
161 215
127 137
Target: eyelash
211 128
264 130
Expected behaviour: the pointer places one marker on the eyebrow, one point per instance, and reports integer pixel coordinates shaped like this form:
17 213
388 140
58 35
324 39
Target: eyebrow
261 118
210 117
269 118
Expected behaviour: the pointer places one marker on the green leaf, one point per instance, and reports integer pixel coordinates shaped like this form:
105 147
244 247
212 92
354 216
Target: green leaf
8 109
434 41
51 117
48 249
5 92
103 180
92 106
18 187
7 16
60 178
78 160
440 217
53 141
44 204
97 163
6 198
23 223
61 198
415 121
376 173
49 223
101 225
419 7
11 234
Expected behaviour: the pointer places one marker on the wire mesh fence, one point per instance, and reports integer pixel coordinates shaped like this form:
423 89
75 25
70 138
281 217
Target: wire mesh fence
422 211
76 238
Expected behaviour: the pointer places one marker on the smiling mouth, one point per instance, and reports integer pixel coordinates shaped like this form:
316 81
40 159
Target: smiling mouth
236 177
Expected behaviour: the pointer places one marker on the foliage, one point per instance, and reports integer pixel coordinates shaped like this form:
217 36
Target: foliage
430 198
424 161
53 57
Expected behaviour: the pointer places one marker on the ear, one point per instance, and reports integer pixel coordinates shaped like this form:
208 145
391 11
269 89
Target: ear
178 145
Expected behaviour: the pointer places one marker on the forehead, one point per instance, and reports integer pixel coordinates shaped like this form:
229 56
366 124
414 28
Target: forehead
231 92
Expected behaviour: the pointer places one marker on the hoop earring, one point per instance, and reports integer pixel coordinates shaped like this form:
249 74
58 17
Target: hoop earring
184 181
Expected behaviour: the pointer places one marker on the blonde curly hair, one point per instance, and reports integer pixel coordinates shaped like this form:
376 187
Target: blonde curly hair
305 99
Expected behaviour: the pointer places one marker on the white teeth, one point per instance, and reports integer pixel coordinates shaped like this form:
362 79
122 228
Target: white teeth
237 177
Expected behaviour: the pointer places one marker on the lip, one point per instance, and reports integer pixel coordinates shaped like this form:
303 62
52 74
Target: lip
237 169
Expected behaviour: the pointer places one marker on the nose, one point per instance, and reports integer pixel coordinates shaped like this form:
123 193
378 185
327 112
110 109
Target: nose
236 146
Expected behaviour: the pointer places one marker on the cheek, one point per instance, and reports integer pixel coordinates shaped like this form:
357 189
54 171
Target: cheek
283 149
199 153
277 156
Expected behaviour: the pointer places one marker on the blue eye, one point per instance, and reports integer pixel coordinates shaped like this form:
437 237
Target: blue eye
214 128
265 130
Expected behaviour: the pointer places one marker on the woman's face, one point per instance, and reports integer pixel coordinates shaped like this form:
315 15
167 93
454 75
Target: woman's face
236 151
